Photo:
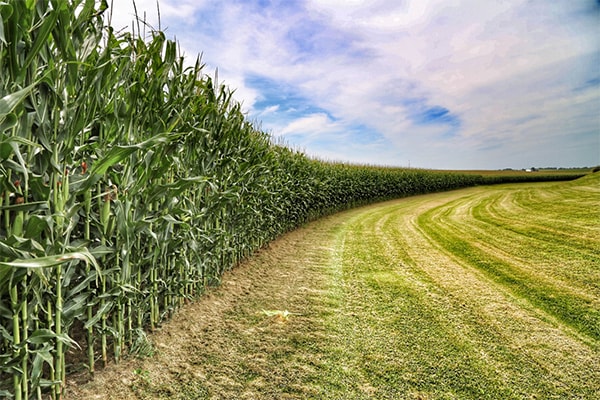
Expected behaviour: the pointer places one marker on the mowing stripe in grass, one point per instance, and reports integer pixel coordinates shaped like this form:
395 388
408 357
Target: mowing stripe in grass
466 242
410 327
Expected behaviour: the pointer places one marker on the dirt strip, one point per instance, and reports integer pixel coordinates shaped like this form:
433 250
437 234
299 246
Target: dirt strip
235 330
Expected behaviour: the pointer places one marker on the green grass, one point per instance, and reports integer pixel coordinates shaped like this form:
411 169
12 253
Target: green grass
416 283
538 242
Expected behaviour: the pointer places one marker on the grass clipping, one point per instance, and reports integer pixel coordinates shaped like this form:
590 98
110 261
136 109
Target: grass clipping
278 315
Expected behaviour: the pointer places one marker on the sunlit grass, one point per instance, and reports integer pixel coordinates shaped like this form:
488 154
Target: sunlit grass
408 323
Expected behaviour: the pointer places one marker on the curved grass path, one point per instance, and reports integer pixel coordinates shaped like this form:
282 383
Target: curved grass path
490 292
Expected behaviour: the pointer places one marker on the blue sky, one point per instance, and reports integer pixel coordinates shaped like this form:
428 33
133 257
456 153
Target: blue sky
448 84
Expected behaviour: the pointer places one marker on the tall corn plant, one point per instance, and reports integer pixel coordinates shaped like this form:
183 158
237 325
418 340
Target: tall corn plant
56 106
43 47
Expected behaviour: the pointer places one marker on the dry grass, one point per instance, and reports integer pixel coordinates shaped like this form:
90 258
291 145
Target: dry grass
225 345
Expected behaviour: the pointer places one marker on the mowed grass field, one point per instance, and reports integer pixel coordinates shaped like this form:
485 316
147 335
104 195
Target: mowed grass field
482 293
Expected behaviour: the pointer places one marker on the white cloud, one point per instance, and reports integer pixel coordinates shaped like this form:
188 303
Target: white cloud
124 12
498 67
310 125
270 110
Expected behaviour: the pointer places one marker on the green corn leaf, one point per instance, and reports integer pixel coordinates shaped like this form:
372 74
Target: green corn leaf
4 334
178 187
5 150
42 37
42 336
34 205
4 139
36 225
10 121
119 153
10 101
7 313
51 261
11 252
43 355
114 156
82 286
101 251
75 306
85 13
104 309
6 11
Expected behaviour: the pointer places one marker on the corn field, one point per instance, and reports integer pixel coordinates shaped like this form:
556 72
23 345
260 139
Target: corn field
128 183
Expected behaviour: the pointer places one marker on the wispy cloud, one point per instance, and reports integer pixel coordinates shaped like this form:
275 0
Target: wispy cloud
462 84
